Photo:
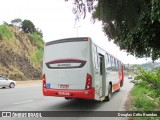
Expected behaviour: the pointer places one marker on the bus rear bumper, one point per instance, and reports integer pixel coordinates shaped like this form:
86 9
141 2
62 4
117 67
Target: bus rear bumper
84 94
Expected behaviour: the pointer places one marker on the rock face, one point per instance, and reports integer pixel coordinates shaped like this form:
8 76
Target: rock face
18 56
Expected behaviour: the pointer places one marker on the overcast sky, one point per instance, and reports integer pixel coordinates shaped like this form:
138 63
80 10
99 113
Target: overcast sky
56 20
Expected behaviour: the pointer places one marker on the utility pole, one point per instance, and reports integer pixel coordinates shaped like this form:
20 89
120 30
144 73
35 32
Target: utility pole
77 29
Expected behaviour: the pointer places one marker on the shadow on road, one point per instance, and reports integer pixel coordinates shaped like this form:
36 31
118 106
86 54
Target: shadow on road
78 105
5 88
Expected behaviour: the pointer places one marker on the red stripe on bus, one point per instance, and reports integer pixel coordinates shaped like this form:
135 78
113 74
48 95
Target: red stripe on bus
84 94
116 86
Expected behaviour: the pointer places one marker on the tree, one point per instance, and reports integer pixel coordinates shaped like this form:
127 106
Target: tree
17 22
134 25
28 26
39 32
5 23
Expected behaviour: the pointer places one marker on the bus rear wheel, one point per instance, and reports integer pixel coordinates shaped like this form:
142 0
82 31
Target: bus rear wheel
67 98
121 83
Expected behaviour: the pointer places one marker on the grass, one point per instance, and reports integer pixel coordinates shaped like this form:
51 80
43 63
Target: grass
38 39
142 99
145 96
145 99
37 57
5 33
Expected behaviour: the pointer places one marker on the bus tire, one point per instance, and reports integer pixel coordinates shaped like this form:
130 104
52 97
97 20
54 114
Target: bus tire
121 83
67 98
108 97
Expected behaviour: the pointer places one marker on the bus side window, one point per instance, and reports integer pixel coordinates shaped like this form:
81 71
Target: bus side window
117 65
95 56
108 62
113 64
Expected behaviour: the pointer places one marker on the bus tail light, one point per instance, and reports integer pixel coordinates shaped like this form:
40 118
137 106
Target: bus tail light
44 80
88 82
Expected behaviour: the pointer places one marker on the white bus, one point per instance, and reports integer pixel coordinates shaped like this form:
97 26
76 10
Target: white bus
77 68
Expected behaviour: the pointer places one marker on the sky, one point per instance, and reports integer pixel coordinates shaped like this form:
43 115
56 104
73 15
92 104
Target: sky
56 20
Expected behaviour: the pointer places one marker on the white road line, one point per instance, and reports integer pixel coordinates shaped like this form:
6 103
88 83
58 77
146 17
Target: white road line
23 102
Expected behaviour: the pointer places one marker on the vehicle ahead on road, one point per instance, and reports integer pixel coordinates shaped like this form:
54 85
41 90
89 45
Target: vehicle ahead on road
130 77
77 68
5 82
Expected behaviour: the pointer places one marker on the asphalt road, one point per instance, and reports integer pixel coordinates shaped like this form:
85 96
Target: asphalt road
31 99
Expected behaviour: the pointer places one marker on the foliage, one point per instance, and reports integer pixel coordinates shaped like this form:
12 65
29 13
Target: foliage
37 57
140 101
28 26
134 25
17 22
38 40
145 94
5 32
39 43
143 101
149 79
5 23
39 32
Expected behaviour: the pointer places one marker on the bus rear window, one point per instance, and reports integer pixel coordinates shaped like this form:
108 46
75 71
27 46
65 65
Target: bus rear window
66 55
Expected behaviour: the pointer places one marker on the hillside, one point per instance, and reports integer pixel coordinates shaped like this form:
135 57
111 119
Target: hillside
150 65
20 54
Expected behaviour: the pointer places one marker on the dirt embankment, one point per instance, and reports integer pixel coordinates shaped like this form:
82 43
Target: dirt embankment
17 67
16 57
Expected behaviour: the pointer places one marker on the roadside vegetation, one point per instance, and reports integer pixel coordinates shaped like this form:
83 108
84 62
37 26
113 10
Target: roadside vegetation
37 55
145 96
5 32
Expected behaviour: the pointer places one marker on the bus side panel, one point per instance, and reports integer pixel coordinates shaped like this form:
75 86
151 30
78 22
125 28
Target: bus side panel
95 71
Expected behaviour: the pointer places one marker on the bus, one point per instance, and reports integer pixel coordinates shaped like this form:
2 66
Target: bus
78 68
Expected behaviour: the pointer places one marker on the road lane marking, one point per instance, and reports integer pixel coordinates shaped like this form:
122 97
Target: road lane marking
23 102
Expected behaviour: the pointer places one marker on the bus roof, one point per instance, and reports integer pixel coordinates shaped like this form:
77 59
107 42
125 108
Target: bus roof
76 39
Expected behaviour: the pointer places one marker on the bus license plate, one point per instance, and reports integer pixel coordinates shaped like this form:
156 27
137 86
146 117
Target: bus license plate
64 86
64 93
